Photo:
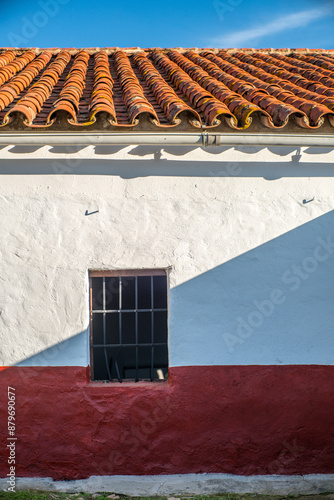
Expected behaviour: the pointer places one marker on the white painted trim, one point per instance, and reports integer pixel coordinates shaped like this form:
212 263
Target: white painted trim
204 139
179 484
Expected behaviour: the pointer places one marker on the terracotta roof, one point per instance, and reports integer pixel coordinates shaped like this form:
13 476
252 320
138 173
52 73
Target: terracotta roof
155 89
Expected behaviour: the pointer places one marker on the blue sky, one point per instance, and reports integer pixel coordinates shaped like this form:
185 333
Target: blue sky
173 23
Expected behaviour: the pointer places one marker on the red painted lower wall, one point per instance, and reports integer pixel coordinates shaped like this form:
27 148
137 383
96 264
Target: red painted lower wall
232 419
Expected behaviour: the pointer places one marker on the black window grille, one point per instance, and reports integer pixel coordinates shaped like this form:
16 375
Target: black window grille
128 325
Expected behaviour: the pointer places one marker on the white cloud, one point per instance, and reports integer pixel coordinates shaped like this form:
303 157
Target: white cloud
243 37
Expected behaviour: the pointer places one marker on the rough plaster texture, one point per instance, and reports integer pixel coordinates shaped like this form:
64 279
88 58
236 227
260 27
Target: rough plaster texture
185 484
225 220
248 236
244 420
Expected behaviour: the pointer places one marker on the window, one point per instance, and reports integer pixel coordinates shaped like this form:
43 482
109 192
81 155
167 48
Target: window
128 325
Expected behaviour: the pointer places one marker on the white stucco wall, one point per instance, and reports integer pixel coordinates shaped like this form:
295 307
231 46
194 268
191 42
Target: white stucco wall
231 223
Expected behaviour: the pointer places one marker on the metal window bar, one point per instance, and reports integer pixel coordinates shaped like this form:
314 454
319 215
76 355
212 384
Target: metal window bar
136 327
152 332
116 366
146 344
120 312
163 309
119 322
91 327
104 329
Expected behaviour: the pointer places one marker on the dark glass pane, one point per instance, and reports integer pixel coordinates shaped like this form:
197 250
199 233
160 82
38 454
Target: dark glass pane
112 293
160 362
160 292
127 362
144 328
128 328
160 356
144 356
116 363
102 361
97 328
160 326
143 371
97 293
128 293
112 328
144 292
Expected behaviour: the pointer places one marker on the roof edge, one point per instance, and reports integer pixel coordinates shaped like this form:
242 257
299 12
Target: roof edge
133 50
203 139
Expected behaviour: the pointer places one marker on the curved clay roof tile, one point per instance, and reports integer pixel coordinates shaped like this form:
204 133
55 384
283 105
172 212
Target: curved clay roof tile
167 98
32 102
133 95
300 97
258 96
297 101
71 92
7 57
212 109
101 100
192 88
24 78
6 72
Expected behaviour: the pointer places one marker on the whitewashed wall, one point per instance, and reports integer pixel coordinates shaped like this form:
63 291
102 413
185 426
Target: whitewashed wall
252 265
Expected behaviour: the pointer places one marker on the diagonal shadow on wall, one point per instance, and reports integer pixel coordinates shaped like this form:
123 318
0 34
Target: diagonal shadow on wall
270 305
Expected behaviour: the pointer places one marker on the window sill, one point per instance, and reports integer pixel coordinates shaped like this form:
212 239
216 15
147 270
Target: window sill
129 383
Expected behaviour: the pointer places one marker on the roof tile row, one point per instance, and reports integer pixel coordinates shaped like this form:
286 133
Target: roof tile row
167 88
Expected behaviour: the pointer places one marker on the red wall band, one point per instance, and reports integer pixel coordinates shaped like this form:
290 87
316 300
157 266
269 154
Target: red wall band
230 419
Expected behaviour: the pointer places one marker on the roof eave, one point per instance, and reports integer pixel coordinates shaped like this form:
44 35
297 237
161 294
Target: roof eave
202 139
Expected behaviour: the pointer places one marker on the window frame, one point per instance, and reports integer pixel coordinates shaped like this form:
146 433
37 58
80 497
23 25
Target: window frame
125 273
